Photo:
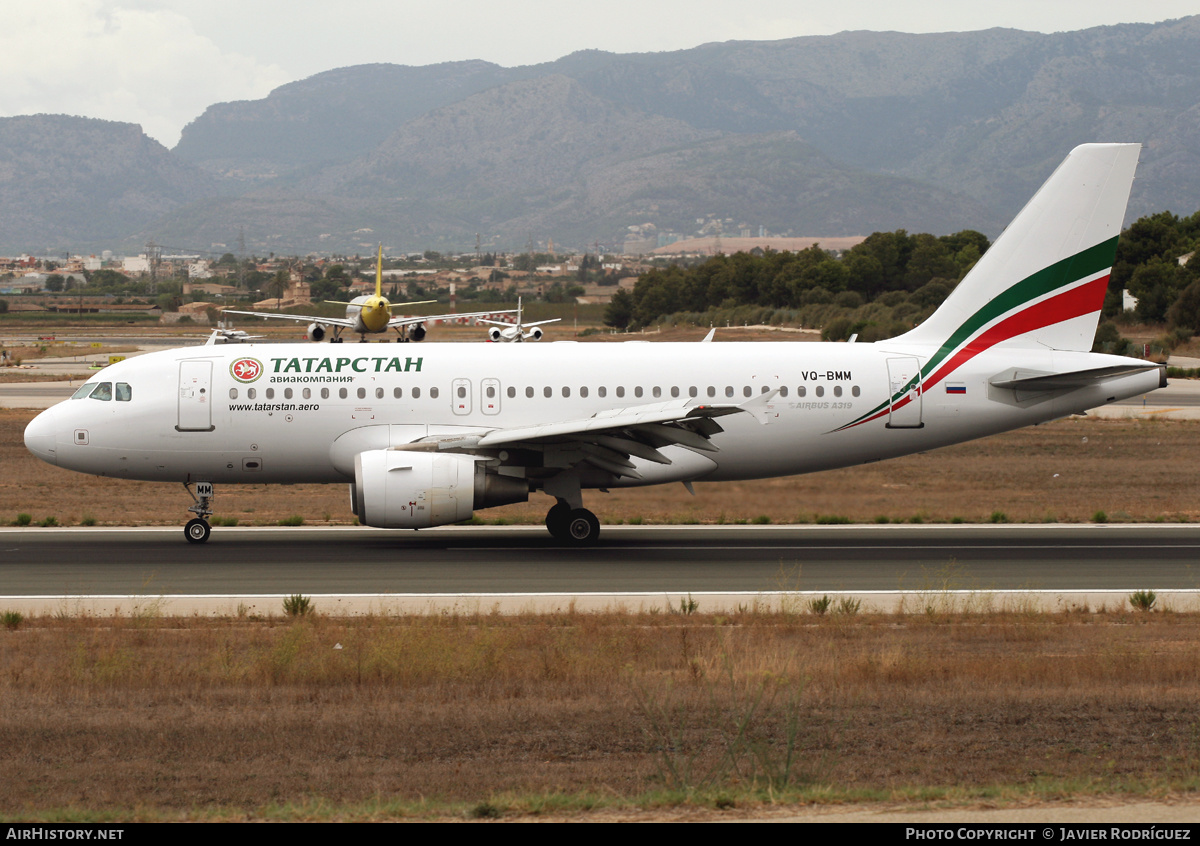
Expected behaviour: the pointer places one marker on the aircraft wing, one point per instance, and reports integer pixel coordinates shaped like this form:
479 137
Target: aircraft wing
607 440
298 318
408 321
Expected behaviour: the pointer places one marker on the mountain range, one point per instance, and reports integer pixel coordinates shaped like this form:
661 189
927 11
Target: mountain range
818 136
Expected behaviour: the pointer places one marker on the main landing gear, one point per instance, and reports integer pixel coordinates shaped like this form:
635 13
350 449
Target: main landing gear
577 526
197 530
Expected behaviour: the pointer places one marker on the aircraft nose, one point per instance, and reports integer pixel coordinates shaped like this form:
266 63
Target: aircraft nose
40 437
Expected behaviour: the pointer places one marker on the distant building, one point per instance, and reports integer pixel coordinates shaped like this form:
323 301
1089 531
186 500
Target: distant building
135 265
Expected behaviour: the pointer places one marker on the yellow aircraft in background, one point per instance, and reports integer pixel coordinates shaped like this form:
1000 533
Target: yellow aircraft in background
368 314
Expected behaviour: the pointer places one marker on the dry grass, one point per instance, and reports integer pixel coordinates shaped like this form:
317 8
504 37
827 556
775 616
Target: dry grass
1064 471
154 717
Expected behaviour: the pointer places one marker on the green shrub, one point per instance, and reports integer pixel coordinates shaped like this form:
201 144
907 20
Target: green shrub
1143 600
297 605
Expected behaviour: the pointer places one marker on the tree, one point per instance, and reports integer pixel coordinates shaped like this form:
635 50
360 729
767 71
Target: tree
278 285
620 309
54 283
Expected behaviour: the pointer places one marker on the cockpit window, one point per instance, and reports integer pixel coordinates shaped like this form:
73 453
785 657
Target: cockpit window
102 392
84 389
124 392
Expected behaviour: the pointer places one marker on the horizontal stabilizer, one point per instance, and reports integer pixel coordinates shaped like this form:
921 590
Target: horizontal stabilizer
1026 380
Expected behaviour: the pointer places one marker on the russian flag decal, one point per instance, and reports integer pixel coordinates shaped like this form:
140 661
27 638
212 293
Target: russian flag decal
956 387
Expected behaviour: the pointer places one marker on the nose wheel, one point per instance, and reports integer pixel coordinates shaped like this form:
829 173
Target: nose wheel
197 529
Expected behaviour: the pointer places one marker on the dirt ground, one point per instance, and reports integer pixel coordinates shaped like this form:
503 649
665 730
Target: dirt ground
531 716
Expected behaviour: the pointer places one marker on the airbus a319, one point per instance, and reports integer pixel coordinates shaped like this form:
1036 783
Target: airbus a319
425 438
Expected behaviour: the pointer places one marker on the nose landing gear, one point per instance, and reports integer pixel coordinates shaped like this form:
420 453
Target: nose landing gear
197 529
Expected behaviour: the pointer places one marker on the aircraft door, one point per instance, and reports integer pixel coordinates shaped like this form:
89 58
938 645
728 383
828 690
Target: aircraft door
489 396
195 396
904 383
460 395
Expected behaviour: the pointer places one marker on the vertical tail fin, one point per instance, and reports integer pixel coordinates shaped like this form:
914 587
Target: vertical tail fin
1042 283
379 273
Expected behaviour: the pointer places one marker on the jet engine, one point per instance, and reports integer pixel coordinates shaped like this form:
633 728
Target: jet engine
316 332
401 489
495 335
535 334
416 332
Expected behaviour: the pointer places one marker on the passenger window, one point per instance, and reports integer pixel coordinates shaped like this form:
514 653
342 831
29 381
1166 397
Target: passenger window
729 390
837 390
637 392
342 393
566 391
820 390
232 393
783 391
433 393
416 393
529 392
491 392
124 392
287 393
251 393
621 391
307 393
547 392
462 392
270 393
602 392
801 391
657 391
583 392
324 393
379 393
512 392
855 390
693 391
397 393
362 393
712 391
747 391
102 392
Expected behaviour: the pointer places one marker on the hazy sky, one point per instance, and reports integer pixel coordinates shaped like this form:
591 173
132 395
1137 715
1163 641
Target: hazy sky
160 63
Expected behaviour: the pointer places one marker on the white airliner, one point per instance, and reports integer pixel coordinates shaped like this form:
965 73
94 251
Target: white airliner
515 333
368 314
424 438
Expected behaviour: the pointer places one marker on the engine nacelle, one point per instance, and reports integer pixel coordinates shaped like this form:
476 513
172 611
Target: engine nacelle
416 332
401 489
316 332
495 335
535 334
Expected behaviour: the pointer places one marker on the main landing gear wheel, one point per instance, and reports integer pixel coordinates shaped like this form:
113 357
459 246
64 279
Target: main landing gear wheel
556 520
576 526
197 530
583 528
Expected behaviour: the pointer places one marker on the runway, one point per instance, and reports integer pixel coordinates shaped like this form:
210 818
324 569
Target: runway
485 560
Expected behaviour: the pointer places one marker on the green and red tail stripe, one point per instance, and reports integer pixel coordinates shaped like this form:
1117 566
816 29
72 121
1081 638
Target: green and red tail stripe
1031 304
